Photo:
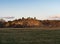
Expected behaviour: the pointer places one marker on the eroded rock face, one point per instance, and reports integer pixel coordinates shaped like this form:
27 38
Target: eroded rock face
29 22
32 23
23 23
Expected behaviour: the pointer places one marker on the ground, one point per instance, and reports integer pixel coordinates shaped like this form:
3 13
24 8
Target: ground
29 35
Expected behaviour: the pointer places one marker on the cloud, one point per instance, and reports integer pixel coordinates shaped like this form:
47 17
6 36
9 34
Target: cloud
54 17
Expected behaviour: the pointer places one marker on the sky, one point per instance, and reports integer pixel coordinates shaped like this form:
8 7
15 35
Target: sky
41 9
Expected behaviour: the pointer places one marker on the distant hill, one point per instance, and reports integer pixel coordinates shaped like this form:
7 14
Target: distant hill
28 23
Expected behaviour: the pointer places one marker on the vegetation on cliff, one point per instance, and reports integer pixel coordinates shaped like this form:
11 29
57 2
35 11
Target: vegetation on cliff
29 22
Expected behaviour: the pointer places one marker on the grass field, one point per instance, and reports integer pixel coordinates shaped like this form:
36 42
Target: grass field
29 36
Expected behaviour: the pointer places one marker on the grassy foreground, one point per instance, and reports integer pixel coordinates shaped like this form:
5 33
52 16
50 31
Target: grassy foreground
29 36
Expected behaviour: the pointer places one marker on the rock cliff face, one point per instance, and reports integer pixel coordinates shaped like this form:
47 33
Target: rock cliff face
20 23
29 22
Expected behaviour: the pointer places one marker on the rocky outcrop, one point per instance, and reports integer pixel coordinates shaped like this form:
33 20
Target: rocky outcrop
29 22
24 22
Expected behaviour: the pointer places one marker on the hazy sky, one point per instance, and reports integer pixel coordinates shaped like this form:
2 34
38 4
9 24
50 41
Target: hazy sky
29 8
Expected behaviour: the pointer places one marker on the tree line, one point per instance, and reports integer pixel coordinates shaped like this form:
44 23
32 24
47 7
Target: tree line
28 23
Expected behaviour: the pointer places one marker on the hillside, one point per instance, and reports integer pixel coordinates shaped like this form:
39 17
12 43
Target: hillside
28 23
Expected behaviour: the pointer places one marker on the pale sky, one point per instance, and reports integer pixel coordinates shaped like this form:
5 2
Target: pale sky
41 9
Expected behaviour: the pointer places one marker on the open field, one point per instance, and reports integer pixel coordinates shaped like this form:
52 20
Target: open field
29 36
